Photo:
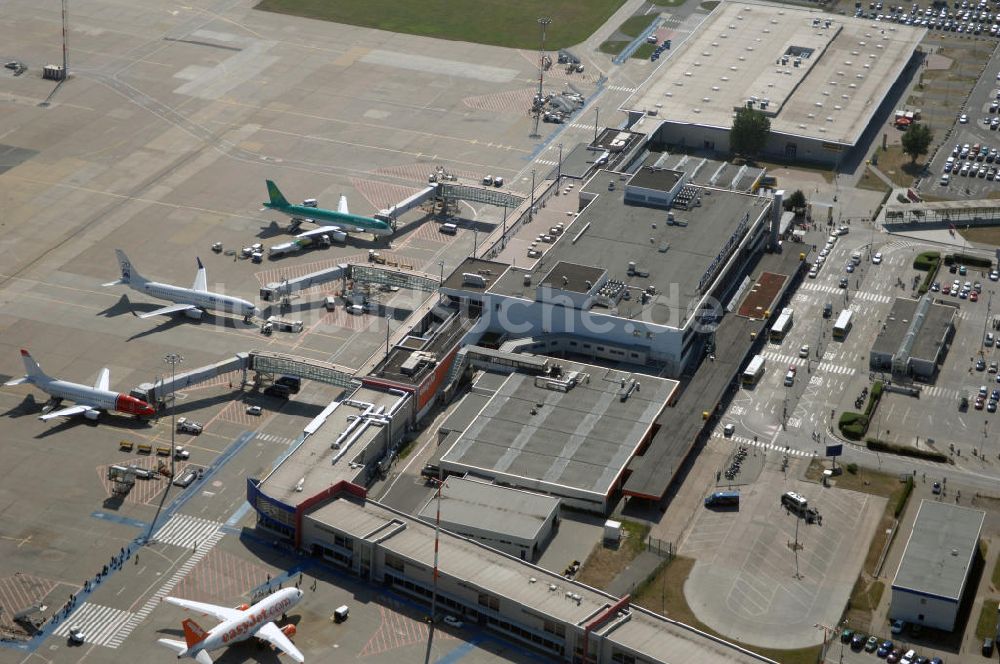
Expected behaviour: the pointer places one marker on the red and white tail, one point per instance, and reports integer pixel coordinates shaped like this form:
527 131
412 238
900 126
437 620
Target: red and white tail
193 633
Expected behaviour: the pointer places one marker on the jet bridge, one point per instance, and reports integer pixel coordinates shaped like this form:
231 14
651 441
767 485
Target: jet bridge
475 194
270 364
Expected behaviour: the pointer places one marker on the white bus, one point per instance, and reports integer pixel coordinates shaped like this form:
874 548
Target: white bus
754 370
781 326
843 325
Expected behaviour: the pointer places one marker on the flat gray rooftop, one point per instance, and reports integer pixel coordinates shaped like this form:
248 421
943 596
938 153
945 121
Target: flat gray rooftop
573 277
488 270
929 337
498 509
610 234
939 553
578 440
654 637
707 172
845 70
659 178
313 462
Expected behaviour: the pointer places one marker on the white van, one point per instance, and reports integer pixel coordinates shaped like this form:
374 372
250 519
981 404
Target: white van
356 310
340 613
448 229
330 303
789 378
856 258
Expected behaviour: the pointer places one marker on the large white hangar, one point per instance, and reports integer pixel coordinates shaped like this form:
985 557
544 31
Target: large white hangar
820 78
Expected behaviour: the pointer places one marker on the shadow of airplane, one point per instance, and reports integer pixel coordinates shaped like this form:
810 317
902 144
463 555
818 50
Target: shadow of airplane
122 306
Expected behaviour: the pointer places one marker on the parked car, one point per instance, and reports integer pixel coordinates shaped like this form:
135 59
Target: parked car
253 410
898 625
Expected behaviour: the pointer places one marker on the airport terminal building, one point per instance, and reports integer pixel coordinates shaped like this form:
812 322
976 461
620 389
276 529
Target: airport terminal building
821 80
639 274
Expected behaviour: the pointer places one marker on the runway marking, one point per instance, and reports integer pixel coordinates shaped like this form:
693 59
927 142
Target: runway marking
381 195
397 631
18 592
144 491
273 438
204 548
186 531
100 624
220 577
511 101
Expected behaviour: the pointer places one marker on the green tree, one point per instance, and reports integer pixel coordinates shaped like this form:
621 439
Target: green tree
749 133
916 141
796 201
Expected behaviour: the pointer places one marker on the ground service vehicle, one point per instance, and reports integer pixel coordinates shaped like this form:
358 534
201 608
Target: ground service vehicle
723 499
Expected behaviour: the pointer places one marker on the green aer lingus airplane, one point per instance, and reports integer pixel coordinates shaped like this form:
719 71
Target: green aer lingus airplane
328 220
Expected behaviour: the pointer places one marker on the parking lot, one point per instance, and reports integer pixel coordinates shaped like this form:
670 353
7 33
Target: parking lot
972 139
749 584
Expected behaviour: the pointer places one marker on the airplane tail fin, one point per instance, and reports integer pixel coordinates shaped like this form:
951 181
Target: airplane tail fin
277 198
32 371
178 647
129 276
193 633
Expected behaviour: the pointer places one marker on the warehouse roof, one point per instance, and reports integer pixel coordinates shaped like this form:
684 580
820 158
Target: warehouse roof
930 336
939 553
573 440
822 76
497 509
653 637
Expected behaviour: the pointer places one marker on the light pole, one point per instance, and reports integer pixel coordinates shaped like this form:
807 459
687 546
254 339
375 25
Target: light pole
503 238
437 534
173 359
559 168
597 121
531 210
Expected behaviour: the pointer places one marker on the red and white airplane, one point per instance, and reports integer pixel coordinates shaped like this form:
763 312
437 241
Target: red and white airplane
237 625
89 400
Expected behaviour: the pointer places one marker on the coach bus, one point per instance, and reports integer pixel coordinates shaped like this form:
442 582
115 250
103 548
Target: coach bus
754 370
781 326
843 325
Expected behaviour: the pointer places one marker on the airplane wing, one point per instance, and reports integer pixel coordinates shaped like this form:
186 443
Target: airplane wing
342 205
173 308
323 230
103 380
201 279
66 412
277 638
218 612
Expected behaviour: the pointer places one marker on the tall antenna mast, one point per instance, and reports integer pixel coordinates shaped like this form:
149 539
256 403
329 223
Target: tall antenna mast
543 22
65 28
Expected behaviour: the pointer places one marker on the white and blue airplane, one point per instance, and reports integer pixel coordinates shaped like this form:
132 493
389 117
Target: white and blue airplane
193 302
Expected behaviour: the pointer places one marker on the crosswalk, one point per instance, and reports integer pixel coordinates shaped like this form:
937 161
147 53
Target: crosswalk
98 623
274 438
546 162
864 296
139 616
941 392
824 367
186 531
621 88
581 125
749 442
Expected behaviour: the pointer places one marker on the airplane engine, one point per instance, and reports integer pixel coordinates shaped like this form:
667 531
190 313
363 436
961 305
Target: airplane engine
242 607
288 630
194 313
91 414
